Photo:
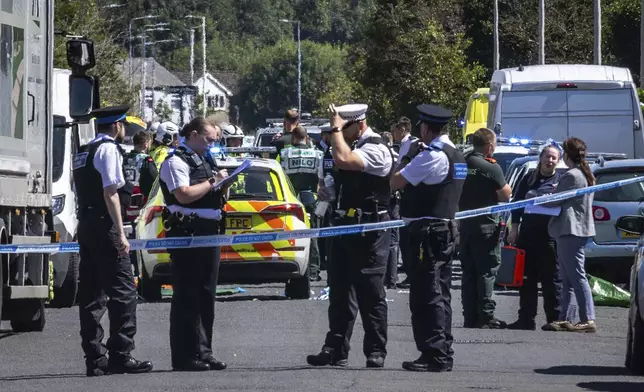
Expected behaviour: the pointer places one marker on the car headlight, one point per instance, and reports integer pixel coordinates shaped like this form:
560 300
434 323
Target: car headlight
58 204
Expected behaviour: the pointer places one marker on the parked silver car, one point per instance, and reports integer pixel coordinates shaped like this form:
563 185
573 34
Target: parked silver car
633 226
609 254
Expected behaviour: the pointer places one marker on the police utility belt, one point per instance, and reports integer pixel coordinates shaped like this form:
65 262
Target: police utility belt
357 216
192 223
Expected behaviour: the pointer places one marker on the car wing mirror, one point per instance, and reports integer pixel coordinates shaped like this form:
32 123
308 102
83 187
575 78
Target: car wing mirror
307 198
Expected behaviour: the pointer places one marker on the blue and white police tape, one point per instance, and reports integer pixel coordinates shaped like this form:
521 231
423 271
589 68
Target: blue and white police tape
238 239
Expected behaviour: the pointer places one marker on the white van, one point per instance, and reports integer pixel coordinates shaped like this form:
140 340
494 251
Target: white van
598 104
65 144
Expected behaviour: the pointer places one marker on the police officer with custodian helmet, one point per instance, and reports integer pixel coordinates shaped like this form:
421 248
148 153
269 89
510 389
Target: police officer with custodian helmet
106 279
432 178
194 207
359 261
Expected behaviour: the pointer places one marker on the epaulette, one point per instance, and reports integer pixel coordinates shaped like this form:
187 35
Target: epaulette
491 160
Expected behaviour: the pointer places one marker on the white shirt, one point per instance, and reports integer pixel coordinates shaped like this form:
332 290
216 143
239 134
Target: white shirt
176 173
404 147
109 162
430 166
375 157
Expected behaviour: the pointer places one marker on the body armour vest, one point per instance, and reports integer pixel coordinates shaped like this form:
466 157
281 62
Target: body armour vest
89 183
201 169
363 190
437 200
301 164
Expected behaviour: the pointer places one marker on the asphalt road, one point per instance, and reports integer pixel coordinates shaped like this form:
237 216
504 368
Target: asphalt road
265 338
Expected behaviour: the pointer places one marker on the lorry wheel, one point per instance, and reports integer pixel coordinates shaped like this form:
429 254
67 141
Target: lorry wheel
65 296
29 315
299 288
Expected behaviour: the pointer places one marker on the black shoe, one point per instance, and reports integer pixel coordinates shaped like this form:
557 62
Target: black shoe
376 361
404 284
129 365
94 369
492 324
192 366
425 365
214 363
326 357
522 325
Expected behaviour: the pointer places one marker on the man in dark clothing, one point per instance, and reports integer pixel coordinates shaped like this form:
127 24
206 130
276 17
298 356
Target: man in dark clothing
139 167
282 140
480 252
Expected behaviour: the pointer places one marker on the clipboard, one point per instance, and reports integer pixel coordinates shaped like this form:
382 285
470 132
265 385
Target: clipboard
233 176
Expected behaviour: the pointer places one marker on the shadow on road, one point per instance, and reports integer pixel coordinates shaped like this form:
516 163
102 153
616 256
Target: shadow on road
612 386
507 293
585 371
238 298
40 377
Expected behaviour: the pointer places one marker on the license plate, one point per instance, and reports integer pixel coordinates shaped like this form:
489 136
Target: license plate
630 235
239 222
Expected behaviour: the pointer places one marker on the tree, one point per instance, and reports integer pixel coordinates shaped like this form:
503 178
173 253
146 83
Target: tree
81 17
621 26
163 111
270 86
407 58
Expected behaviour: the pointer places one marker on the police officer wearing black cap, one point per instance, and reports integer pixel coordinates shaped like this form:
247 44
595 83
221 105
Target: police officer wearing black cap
106 279
480 255
359 261
188 180
432 174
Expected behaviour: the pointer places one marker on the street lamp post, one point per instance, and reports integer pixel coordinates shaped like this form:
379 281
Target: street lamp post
144 66
299 64
203 44
129 33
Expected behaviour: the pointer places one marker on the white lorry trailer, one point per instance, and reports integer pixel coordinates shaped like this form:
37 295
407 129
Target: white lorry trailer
26 139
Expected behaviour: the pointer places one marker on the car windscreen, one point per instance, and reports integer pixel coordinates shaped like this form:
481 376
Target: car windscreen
628 193
504 159
265 139
58 148
256 183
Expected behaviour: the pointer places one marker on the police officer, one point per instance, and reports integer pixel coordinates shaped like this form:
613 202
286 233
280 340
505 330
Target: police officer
480 253
359 261
432 178
106 280
300 162
166 138
233 135
194 207
139 167
327 192
402 136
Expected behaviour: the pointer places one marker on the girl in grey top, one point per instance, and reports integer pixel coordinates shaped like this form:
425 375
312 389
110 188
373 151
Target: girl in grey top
572 229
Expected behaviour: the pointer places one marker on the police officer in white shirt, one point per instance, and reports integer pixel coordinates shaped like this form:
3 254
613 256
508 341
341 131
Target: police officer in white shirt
189 182
359 261
105 268
432 175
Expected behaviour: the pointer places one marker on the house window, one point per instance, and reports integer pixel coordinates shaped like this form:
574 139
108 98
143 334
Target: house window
221 101
211 102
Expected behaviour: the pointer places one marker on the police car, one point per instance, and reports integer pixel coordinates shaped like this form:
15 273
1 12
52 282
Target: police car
261 200
507 150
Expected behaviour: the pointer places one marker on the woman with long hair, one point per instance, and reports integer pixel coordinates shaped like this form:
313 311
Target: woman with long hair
530 233
572 228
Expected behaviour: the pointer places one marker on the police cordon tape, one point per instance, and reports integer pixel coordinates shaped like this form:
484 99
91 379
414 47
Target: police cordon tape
238 239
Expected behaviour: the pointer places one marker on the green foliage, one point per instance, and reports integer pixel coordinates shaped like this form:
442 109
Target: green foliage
407 59
163 111
82 18
270 86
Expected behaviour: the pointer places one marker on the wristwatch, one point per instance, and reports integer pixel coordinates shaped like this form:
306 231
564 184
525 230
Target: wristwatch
335 130
212 180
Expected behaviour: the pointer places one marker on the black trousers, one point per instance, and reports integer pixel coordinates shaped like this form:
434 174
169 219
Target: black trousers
480 262
540 267
192 310
106 283
391 277
356 284
429 291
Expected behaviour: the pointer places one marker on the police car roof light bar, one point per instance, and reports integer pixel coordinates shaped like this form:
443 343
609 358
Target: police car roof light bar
519 141
241 150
